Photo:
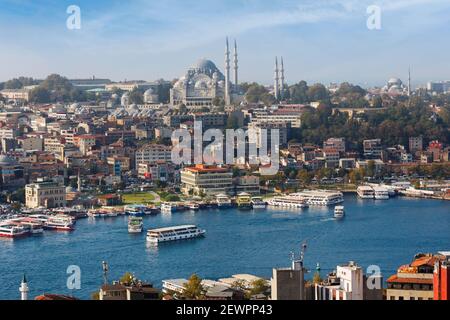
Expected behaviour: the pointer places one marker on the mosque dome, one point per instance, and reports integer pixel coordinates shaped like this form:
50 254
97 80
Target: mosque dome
395 81
205 64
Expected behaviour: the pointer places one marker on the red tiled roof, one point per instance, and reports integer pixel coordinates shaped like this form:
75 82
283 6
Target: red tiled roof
396 279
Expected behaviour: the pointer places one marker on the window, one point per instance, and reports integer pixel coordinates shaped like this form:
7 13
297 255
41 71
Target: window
401 298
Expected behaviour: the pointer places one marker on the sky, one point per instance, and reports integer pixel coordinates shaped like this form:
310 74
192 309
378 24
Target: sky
320 40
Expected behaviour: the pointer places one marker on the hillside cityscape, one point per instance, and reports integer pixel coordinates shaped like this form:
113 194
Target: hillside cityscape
206 187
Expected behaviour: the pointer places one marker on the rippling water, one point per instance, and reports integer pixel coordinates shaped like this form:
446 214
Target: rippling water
384 233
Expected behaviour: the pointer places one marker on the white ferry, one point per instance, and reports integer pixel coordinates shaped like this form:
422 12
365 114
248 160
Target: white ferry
258 203
13 231
59 223
288 202
365 192
320 197
381 193
156 236
193 206
223 201
135 225
168 207
339 212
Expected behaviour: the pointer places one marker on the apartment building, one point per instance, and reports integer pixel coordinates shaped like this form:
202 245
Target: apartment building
151 153
207 180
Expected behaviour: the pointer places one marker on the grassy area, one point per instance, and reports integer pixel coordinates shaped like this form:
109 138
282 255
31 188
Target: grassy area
137 198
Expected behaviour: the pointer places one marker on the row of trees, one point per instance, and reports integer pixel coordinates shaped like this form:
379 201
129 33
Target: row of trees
394 125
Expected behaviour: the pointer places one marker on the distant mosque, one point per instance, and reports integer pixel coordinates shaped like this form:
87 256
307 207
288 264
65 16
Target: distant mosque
204 82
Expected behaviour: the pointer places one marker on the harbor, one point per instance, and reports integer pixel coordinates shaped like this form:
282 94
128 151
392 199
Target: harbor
236 241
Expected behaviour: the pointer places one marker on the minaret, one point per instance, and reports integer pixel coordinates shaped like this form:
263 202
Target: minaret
227 74
24 288
409 82
235 65
276 85
79 182
282 79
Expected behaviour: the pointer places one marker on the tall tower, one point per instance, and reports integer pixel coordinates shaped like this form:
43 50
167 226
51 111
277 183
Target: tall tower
79 182
276 85
24 288
227 74
409 82
235 65
282 79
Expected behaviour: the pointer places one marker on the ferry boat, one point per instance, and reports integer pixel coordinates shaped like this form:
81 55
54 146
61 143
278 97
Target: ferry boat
135 210
193 206
365 192
13 231
320 197
244 201
156 236
381 193
288 202
223 201
168 207
339 212
135 225
34 227
258 203
59 223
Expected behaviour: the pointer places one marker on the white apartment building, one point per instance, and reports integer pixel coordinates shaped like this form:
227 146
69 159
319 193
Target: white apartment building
207 180
152 153
348 284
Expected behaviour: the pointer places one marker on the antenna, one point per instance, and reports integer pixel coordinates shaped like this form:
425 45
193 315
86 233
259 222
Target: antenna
303 250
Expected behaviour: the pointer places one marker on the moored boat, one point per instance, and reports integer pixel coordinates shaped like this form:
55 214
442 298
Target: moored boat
244 201
365 192
223 201
258 203
13 231
59 224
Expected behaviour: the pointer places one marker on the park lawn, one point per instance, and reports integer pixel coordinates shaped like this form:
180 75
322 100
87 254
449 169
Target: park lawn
137 198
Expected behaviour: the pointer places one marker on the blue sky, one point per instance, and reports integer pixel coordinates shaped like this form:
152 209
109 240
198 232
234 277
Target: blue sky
320 40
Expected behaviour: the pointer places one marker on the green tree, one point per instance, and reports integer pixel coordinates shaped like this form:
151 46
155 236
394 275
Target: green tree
193 289
127 278
258 287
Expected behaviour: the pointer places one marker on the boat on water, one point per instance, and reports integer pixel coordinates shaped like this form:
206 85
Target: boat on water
59 223
135 210
33 227
168 207
135 225
365 192
258 203
339 212
244 201
13 231
185 232
223 201
381 193
320 197
193 206
288 202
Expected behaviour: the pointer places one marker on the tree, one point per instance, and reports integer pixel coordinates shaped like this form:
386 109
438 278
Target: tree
193 289
136 96
317 92
299 92
317 279
258 287
40 95
371 168
127 278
